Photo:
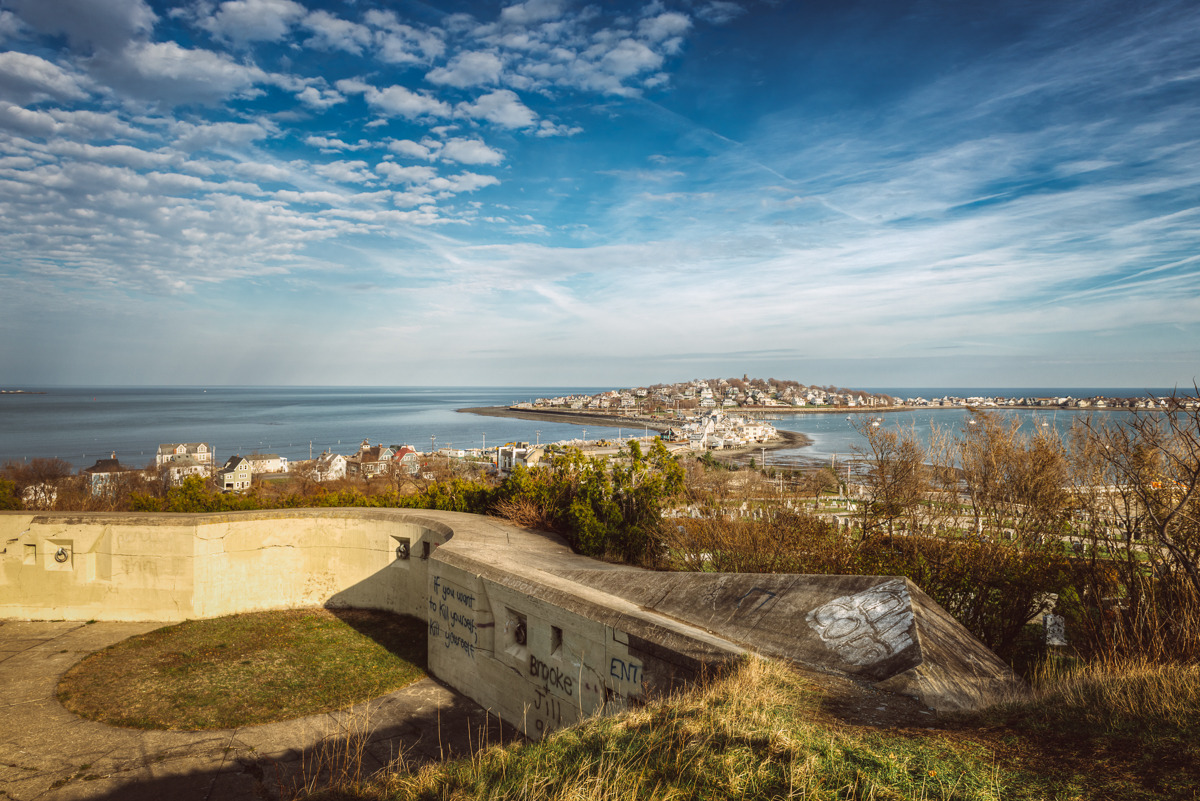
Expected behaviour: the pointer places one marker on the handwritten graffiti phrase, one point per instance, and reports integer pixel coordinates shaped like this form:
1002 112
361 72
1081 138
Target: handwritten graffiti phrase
621 670
449 593
551 675
454 641
459 620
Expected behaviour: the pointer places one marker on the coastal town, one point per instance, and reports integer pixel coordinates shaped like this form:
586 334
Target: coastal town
728 416
765 395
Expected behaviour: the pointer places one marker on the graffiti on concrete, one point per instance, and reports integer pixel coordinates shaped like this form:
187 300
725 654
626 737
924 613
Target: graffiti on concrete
546 713
866 627
551 676
621 670
755 599
452 617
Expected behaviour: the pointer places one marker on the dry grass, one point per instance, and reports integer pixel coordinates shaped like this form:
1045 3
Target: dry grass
1116 731
1127 729
247 669
746 735
1113 696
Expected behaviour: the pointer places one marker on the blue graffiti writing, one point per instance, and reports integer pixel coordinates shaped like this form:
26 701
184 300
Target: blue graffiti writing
622 670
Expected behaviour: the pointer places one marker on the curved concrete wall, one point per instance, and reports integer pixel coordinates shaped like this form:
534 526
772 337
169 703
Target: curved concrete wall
516 621
174 567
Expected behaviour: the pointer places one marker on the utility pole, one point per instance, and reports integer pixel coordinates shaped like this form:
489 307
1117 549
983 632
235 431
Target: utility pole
539 436
432 444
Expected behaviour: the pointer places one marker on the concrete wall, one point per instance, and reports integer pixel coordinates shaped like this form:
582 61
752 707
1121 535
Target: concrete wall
174 567
516 621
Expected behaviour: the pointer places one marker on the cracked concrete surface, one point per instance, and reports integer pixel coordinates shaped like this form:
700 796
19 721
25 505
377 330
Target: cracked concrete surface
49 753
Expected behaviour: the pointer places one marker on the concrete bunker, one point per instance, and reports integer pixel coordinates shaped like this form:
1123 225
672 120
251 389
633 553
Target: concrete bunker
516 621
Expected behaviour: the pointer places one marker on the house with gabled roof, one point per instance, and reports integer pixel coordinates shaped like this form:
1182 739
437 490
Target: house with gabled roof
329 467
267 463
104 472
371 460
177 470
235 475
198 452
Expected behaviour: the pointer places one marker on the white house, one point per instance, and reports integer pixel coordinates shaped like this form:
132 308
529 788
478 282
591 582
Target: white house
198 452
329 467
267 463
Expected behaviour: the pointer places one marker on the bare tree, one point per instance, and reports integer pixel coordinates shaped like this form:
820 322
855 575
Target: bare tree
896 479
1015 483
1151 466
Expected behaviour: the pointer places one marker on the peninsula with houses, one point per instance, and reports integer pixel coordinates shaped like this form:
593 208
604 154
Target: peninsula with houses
678 411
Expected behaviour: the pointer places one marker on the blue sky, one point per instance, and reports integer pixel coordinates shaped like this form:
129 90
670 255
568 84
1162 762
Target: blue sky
938 193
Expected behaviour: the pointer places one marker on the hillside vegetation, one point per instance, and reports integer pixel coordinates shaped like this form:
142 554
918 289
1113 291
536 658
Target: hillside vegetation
762 732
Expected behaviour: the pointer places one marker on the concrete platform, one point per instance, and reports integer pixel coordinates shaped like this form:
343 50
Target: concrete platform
48 753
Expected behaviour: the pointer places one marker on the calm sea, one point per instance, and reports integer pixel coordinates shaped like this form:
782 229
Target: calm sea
82 424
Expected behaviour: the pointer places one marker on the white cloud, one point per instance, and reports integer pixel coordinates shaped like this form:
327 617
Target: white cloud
397 100
120 155
502 107
167 73
261 171
353 172
718 12
405 175
333 33
463 182
309 198
629 58
244 21
24 77
106 24
319 98
62 123
546 128
219 135
397 43
9 25
664 26
407 200
471 151
416 150
329 145
531 11
474 68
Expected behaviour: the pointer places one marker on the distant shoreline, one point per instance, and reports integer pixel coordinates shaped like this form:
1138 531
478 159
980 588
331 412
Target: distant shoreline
783 440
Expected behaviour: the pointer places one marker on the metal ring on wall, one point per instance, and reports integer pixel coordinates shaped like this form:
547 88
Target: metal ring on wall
61 555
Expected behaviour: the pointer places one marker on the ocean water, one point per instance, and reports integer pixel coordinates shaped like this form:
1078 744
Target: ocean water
81 424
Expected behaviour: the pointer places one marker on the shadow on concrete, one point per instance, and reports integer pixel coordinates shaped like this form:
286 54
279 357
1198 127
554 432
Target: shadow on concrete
441 725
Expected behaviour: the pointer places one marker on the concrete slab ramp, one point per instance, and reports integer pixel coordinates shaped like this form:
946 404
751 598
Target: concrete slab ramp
882 629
